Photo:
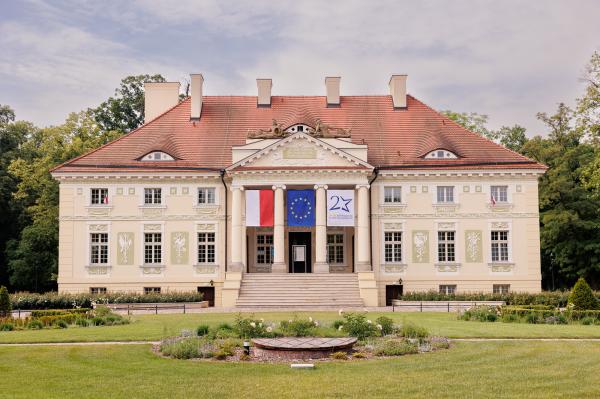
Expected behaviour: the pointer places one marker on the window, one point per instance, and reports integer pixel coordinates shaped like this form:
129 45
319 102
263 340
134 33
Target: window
335 248
158 156
499 241
445 194
446 246
448 289
206 195
99 196
98 248
97 290
499 194
151 290
501 288
392 195
393 246
441 154
264 249
152 248
152 196
206 247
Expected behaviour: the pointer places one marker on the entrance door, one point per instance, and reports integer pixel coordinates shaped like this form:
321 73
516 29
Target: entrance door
300 252
392 292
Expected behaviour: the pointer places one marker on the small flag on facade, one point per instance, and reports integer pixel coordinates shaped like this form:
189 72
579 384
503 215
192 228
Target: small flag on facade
105 199
493 199
259 208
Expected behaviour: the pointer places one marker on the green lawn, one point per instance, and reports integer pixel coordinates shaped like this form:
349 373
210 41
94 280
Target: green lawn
467 370
155 327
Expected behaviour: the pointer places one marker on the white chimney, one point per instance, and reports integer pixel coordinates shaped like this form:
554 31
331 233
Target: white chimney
196 93
264 92
332 85
398 90
159 97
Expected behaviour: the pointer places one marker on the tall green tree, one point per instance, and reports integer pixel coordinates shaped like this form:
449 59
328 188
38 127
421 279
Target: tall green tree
125 110
32 258
472 121
588 106
513 138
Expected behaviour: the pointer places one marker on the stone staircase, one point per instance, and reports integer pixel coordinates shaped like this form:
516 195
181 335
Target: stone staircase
299 291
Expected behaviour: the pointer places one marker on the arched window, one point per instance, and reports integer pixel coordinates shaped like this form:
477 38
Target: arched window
157 156
441 154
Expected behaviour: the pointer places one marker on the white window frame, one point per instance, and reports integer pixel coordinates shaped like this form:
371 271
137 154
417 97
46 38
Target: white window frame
206 190
100 245
394 190
445 154
498 201
101 203
446 290
393 243
446 242
499 243
153 244
88 250
207 244
152 290
92 289
336 245
501 291
445 187
399 227
154 204
266 245
163 156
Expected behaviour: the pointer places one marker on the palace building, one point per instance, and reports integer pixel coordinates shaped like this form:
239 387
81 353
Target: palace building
298 200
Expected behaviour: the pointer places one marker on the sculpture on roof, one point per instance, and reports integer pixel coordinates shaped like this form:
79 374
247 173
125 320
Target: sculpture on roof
322 130
274 132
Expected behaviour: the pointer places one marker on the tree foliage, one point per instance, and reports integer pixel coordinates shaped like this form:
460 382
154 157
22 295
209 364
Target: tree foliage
125 110
472 121
5 305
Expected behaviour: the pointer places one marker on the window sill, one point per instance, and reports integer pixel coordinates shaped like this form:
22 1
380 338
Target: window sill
500 206
447 267
206 268
152 206
99 206
152 268
98 270
394 267
206 206
501 267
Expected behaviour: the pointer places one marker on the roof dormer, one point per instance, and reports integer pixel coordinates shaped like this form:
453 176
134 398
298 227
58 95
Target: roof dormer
157 156
441 153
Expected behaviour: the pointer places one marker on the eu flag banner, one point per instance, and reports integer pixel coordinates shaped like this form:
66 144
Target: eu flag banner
301 208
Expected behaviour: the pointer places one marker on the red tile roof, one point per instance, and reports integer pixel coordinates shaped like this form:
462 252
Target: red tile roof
396 138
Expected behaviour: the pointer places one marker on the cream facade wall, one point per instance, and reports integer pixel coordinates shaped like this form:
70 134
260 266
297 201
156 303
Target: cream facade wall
125 219
471 213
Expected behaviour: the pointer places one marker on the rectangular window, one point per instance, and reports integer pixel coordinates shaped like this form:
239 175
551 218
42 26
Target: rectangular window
151 290
499 240
97 290
152 248
335 248
264 249
499 193
446 246
392 195
206 247
99 196
152 196
448 289
206 195
392 246
445 194
501 288
99 248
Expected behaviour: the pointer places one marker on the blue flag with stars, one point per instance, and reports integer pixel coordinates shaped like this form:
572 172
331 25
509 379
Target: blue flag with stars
301 208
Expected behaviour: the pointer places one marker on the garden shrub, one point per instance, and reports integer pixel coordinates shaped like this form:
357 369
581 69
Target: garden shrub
532 318
410 330
82 322
339 355
5 305
246 327
298 328
387 325
586 321
480 313
35 325
202 330
582 296
7 327
98 321
359 355
439 343
61 324
510 318
394 347
558 319
184 349
337 324
357 325
58 312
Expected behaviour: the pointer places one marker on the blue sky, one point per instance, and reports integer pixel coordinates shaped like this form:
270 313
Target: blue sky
506 59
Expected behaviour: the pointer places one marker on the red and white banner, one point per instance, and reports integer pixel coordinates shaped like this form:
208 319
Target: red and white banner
259 208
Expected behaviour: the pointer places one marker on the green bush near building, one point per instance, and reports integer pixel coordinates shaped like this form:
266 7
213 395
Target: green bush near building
582 297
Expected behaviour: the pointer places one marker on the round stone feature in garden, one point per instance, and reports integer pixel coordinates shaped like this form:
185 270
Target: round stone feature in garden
292 348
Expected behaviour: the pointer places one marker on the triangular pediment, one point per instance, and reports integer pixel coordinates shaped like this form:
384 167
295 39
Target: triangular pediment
300 150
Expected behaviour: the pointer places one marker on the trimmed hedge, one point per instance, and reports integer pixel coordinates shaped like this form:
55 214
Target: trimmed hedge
537 313
58 312
557 299
54 300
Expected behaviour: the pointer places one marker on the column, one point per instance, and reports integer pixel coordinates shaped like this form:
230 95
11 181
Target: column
237 230
362 240
321 265
279 265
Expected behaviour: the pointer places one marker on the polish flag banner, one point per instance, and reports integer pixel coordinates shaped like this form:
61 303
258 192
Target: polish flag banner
259 208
